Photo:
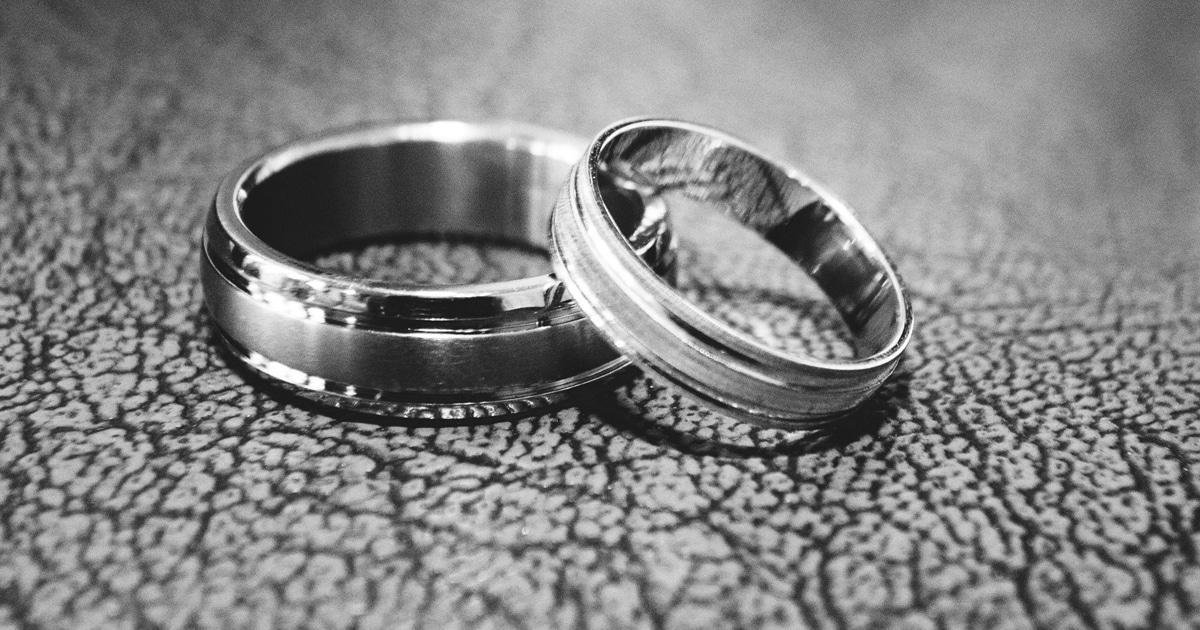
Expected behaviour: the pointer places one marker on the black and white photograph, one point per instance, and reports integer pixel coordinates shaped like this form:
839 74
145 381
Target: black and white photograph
594 314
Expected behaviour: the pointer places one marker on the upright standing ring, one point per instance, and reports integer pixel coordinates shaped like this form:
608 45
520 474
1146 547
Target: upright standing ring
434 352
646 319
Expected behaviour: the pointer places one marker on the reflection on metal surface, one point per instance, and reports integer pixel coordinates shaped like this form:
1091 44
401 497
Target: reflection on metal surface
432 352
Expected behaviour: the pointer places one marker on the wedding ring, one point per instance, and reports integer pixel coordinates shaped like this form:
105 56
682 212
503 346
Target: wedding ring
646 319
432 352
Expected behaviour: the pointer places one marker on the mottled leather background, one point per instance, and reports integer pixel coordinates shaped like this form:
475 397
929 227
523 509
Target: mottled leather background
1034 170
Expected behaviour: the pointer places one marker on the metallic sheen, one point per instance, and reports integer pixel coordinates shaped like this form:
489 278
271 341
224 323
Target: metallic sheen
652 323
432 352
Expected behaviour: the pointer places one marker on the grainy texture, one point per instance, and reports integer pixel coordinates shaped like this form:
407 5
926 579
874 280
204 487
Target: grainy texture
1034 170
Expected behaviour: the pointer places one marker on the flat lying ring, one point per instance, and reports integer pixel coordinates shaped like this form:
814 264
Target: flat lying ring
448 353
645 318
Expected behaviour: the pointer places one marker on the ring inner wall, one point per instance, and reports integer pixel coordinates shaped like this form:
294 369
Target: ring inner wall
480 189
672 162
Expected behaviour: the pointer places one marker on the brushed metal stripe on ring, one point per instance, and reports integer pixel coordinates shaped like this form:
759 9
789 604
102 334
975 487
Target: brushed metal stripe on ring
443 353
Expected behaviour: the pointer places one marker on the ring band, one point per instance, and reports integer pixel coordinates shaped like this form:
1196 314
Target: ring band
645 318
433 352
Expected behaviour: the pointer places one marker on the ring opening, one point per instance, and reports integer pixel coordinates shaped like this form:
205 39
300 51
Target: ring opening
714 172
419 212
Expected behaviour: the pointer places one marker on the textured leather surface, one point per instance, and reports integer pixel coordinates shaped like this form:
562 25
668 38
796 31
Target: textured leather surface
1034 171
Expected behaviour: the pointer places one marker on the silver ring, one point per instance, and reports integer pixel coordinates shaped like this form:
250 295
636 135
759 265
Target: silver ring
443 352
645 318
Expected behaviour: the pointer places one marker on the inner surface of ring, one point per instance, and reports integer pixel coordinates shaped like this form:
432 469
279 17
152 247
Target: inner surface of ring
487 189
765 198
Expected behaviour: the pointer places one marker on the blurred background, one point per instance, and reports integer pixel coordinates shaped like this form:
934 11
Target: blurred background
1045 101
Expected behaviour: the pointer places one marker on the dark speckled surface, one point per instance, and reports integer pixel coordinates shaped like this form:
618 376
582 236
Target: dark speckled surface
1034 170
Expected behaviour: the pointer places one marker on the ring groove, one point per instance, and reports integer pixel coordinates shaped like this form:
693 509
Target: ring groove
643 316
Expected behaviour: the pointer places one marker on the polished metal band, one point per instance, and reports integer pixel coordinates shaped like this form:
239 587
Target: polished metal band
433 352
652 323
